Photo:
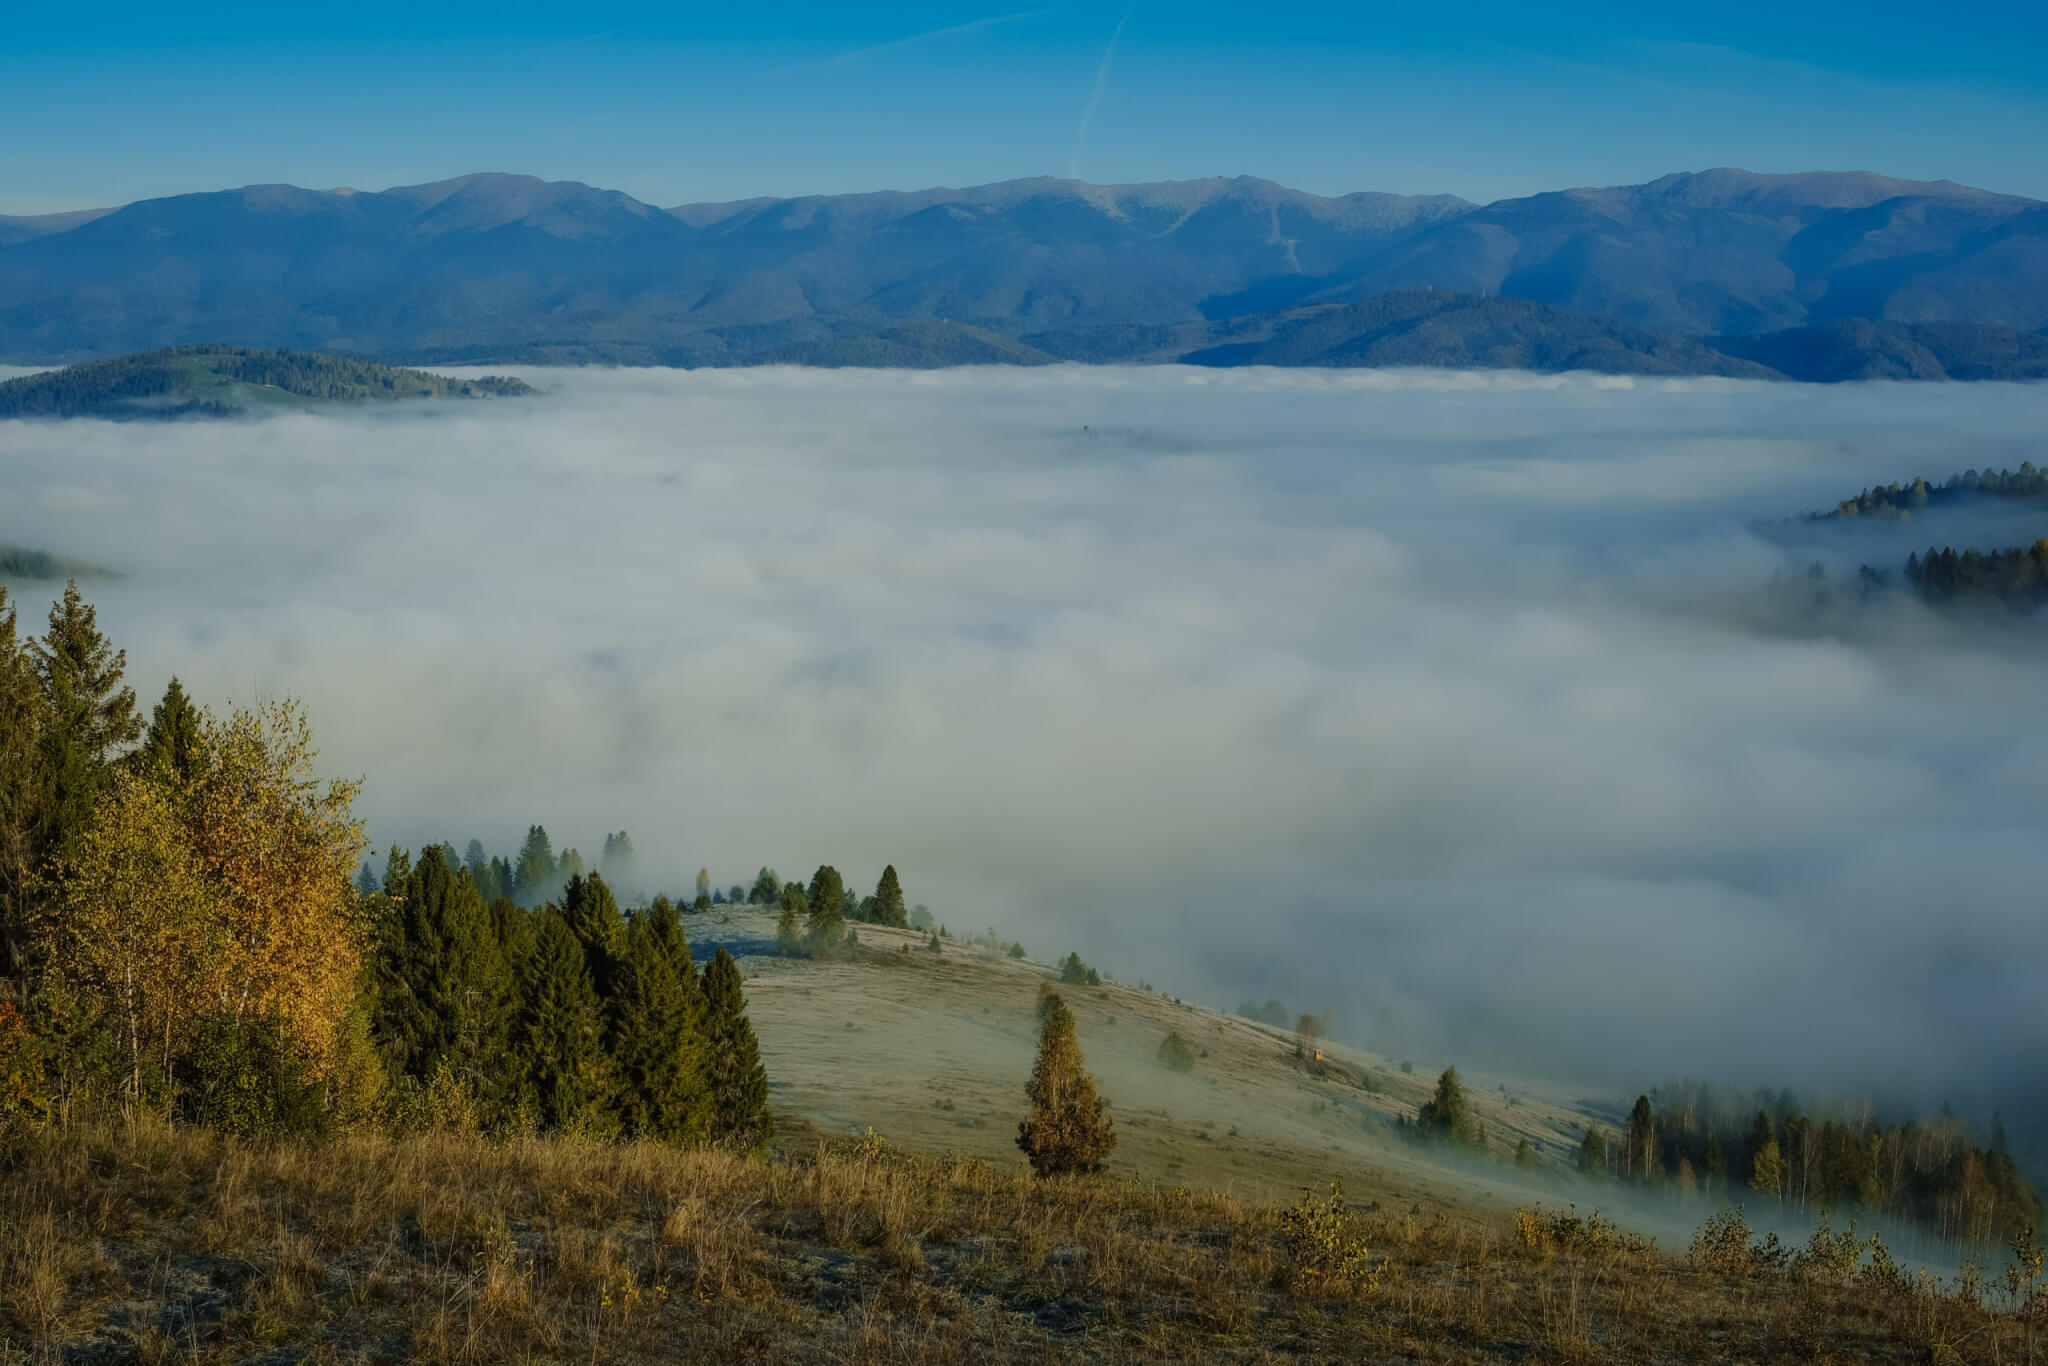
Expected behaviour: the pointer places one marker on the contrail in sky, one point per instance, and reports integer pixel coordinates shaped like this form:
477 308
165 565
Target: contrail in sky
1095 97
972 26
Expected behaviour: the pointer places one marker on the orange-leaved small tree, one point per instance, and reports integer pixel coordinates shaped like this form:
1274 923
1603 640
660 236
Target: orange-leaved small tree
1066 1130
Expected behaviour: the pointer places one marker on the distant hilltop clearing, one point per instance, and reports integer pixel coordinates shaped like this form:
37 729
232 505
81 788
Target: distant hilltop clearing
227 381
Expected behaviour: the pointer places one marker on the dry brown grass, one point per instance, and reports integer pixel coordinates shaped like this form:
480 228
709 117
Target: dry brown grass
160 1245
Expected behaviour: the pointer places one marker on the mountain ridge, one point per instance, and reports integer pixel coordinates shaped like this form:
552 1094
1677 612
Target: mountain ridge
495 265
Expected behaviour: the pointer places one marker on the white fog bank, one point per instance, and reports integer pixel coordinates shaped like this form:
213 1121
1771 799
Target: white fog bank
1435 698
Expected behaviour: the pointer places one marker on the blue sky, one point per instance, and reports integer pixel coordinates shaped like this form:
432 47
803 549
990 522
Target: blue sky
678 103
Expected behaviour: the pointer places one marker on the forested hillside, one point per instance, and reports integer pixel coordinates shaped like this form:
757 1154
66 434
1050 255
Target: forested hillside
180 937
2016 576
221 381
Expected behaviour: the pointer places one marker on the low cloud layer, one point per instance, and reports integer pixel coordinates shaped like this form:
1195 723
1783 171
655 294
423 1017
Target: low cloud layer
1442 700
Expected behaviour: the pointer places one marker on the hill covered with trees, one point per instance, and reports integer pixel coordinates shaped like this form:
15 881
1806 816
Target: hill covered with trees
181 938
223 381
2016 576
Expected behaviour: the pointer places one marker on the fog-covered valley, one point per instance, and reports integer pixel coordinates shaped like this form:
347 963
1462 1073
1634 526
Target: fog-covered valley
1436 699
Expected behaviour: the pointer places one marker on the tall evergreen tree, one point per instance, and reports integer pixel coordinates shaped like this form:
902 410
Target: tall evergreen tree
1639 1150
23 787
172 746
592 913
90 717
1593 1152
397 868
534 869
617 864
789 933
1067 1130
1448 1115
826 901
659 1050
444 994
560 1033
739 1084
889 905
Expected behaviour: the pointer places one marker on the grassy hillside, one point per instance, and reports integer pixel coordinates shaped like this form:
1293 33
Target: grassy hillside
144 1243
221 381
893 1220
932 1049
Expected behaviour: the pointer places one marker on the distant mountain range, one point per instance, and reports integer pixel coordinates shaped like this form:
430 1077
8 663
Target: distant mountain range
1825 275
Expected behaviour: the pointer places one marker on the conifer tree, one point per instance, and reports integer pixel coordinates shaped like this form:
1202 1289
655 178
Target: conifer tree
1593 1152
617 862
889 905
592 913
444 992
789 934
89 717
1639 1149
560 1033
826 902
513 926
174 741
1525 1156
1448 1115
1067 1130
503 881
739 1084
534 869
23 787
397 868
659 1049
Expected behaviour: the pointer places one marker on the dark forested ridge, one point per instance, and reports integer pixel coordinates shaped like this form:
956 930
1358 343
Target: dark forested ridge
498 269
221 381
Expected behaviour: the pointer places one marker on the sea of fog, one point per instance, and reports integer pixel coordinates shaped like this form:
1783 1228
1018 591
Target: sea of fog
1443 700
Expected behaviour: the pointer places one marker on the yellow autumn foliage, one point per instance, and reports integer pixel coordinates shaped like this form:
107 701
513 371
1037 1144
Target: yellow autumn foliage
135 930
228 894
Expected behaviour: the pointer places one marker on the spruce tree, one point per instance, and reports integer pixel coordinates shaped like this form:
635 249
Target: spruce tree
534 869
560 1033
89 716
172 746
397 868
1448 1115
1593 1153
617 862
889 905
1640 1148
789 934
23 787
592 912
659 1049
444 995
1066 1131
826 901
739 1084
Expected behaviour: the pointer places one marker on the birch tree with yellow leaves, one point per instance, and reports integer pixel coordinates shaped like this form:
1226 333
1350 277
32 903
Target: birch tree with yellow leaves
224 894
